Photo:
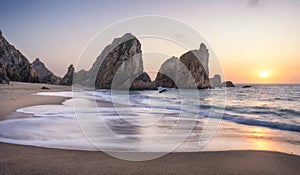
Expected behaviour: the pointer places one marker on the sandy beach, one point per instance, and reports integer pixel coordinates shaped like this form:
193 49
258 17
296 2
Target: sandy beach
18 159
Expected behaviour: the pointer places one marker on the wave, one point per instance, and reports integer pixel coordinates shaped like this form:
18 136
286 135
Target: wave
269 124
290 111
242 115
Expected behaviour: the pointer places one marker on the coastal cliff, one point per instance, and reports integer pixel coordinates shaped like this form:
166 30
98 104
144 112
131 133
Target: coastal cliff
14 65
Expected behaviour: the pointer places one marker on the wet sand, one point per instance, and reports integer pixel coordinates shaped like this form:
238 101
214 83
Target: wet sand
18 159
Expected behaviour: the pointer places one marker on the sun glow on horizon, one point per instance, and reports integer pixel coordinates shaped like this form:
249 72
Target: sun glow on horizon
264 74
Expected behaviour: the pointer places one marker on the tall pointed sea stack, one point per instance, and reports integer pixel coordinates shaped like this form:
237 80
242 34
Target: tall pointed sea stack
68 78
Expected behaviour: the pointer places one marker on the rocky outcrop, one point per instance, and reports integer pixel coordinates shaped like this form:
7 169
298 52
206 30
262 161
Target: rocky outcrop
216 81
122 67
44 74
14 64
68 78
228 84
119 66
189 71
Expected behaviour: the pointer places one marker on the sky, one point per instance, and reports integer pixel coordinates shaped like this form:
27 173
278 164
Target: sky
248 37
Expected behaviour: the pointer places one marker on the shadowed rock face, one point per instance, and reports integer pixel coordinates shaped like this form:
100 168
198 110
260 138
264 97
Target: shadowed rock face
3 78
14 65
189 71
123 64
44 74
68 78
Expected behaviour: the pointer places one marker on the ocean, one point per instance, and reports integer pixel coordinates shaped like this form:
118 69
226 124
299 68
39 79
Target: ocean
263 117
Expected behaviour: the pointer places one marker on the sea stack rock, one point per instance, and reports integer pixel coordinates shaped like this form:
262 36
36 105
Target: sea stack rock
120 66
44 74
68 78
14 64
194 63
216 81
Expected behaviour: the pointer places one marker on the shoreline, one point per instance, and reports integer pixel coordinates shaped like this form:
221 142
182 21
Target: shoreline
16 95
23 159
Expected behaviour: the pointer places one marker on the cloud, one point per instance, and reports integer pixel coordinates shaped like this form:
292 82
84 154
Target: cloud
253 3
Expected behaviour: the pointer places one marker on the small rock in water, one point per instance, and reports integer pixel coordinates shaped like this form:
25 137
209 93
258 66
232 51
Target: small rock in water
44 87
228 84
162 90
247 86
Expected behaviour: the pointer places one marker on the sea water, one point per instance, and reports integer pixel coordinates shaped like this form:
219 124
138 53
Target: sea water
264 117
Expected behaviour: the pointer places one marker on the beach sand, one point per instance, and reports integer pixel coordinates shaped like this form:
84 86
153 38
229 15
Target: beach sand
18 159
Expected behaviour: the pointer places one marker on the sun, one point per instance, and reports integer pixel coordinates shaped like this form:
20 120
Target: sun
264 74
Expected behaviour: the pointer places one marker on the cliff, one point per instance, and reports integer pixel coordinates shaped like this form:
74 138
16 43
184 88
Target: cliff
13 64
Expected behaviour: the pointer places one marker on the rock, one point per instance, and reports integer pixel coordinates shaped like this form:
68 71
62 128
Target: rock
14 64
228 84
247 86
190 71
162 90
120 66
68 78
216 81
81 77
143 82
121 62
45 87
44 74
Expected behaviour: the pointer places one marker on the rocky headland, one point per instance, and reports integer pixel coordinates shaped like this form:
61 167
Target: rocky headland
14 66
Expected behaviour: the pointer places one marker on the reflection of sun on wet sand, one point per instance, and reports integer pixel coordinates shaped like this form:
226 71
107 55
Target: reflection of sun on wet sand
259 142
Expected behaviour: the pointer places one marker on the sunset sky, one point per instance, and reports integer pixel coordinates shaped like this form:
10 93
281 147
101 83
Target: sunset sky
256 41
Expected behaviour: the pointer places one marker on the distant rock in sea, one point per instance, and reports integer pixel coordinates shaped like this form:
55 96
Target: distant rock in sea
44 74
174 72
13 64
247 86
228 84
68 78
216 81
